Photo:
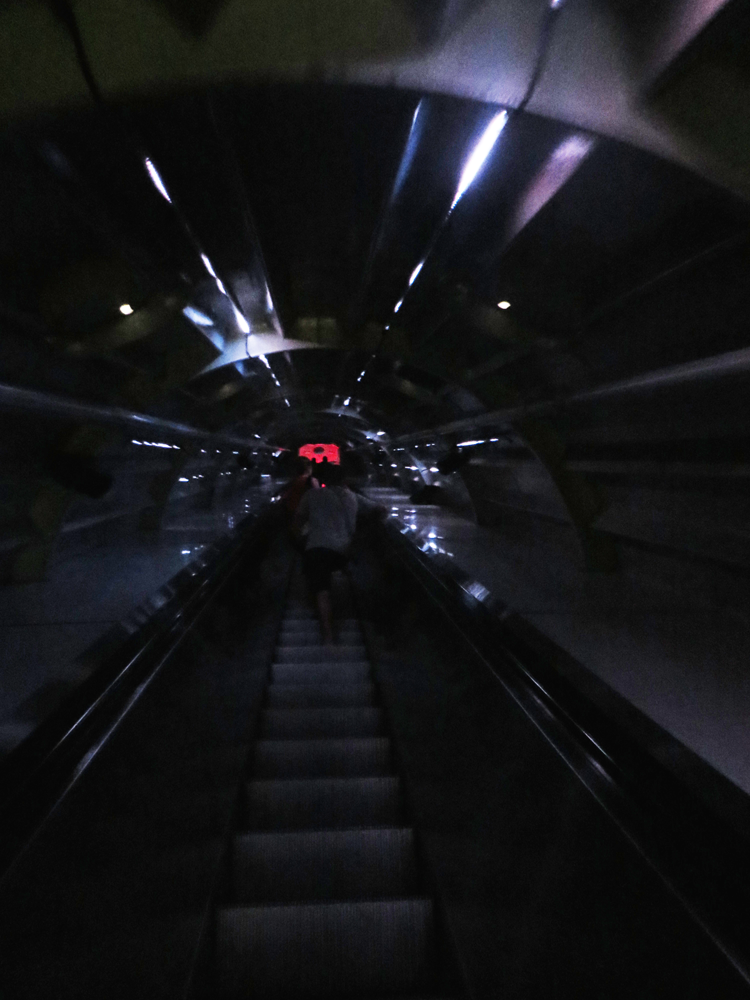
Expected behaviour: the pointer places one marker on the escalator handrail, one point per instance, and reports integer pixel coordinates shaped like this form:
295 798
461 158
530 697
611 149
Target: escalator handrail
703 860
43 768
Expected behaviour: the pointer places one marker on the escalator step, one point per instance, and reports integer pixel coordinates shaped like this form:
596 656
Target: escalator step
306 615
317 695
321 723
319 654
296 626
323 803
325 949
352 637
320 673
327 864
310 622
321 758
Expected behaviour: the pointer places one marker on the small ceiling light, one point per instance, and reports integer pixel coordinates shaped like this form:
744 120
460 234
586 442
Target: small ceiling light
126 309
398 305
503 305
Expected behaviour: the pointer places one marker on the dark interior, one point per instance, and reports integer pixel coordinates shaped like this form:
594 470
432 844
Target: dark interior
497 254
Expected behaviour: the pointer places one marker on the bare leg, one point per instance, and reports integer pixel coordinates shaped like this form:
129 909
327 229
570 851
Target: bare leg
325 610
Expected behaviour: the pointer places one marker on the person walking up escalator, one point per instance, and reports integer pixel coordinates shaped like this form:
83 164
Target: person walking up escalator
298 485
330 517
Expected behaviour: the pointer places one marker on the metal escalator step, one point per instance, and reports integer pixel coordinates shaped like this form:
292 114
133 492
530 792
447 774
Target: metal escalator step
352 637
321 758
295 625
323 803
314 631
320 723
319 654
319 695
325 949
323 864
311 622
320 673
310 618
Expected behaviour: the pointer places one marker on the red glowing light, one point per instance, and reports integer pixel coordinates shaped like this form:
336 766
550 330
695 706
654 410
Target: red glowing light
317 452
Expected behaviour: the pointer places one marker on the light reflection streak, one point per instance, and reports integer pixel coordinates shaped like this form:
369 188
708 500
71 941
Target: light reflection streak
479 155
156 180
558 169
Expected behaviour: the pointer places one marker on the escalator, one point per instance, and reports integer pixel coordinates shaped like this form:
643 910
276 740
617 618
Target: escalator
325 895
427 810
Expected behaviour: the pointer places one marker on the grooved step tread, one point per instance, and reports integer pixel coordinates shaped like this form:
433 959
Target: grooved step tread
319 654
309 619
324 864
323 723
325 949
314 632
320 673
350 758
323 803
324 881
319 695
308 640
314 623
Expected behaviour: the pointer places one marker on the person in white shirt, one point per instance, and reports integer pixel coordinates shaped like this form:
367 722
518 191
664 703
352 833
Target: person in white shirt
330 515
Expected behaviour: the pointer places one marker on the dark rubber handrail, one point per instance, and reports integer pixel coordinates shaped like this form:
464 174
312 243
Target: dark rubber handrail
41 770
698 856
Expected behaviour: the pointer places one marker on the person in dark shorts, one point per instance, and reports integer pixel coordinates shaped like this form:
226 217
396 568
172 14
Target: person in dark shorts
330 516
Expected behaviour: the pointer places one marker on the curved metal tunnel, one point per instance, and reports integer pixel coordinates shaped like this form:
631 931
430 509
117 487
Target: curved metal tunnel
496 252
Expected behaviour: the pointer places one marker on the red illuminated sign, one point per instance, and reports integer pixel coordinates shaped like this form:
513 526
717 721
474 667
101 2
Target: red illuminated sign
317 452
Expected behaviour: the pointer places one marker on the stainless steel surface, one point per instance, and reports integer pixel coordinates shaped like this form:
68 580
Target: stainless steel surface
48 404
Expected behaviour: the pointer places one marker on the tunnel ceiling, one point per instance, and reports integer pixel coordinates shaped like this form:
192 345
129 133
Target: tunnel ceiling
363 236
